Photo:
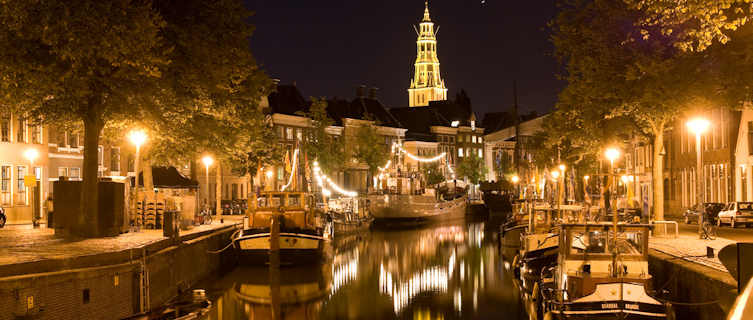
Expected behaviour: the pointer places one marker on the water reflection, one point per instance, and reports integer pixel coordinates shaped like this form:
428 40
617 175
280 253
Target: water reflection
449 271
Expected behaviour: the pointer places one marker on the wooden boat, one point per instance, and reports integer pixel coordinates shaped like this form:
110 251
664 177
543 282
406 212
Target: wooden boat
601 275
449 201
539 246
349 215
286 222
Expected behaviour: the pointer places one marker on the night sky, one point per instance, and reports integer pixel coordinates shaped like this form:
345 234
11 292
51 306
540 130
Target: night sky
329 47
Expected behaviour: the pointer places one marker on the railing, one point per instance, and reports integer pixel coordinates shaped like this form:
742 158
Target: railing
665 223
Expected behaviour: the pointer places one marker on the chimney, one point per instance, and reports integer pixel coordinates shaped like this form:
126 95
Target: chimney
373 93
361 91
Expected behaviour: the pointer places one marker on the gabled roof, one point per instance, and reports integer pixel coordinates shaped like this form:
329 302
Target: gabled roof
287 99
453 111
419 120
361 107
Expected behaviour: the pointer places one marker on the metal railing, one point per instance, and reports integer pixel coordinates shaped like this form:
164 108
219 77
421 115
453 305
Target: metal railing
665 223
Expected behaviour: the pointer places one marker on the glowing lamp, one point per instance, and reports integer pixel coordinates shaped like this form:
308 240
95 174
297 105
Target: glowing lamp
515 179
555 174
207 161
612 154
698 125
137 137
31 155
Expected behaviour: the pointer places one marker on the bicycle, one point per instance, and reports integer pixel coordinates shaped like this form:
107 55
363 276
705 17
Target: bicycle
708 230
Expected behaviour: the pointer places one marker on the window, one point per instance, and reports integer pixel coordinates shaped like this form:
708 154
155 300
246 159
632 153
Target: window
115 159
21 193
100 156
131 162
299 134
743 185
480 139
36 134
289 133
21 132
5 128
750 137
5 185
480 153
62 172
455 124
75 173
460 152
61 141
473 139
72 140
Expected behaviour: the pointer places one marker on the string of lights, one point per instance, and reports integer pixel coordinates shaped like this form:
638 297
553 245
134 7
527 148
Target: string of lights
321 178
422 159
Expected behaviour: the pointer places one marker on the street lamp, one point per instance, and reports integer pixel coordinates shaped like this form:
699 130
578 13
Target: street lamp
137 137
207 161
31 155
515 179
699 126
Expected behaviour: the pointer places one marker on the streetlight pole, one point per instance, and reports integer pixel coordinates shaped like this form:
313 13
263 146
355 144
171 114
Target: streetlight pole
137 137
207 161
612 154
699 126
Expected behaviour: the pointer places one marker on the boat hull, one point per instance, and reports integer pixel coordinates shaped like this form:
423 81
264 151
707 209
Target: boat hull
605 303
342 228
410 207
294 248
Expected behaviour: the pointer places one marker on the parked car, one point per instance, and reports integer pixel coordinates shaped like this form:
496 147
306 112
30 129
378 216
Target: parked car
736 213
712 210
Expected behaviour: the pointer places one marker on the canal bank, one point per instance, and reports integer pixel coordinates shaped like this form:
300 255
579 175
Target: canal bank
111 284
698 291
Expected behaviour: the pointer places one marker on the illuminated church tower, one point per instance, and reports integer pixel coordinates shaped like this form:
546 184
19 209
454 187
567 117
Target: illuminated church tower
427 85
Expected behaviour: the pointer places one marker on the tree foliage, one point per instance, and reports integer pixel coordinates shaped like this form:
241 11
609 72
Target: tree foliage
167 65
320 145
432 174
368 147
694 24
472 168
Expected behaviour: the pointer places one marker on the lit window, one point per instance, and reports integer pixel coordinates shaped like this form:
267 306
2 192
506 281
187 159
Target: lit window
5 195
21 131
20 186
62 172
480 153
460 152
5 127
455 124
473 139
36 134
289 133
115 159
480 140
75 173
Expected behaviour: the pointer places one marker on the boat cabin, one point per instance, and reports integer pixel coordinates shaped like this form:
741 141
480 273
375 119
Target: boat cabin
293 207
589 254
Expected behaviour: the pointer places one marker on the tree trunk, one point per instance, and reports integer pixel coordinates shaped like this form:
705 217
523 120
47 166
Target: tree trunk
657 175
218 190
88 223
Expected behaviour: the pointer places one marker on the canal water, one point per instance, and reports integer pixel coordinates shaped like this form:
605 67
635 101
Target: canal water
452 270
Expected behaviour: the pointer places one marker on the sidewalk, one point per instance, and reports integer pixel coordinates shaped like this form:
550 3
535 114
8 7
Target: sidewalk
24 246
692 249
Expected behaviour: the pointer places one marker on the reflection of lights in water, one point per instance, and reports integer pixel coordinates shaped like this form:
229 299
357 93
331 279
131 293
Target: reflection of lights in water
476 234
451 264
433 279
462 270
458 300
344 269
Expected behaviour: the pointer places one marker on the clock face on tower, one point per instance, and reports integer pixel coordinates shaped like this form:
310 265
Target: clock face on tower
427 84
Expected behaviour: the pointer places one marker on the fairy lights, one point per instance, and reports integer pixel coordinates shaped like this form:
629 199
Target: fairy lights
421 159
321 178
292 171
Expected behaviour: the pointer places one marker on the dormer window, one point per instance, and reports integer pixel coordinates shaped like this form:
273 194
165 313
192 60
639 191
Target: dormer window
455 124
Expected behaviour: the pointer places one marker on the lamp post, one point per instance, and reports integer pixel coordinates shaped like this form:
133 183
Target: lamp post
699 126
612 154
515 179
137 137
30 181
207 161
562 190
555 175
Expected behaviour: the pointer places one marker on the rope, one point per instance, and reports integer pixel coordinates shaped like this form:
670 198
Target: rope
689 304
227 246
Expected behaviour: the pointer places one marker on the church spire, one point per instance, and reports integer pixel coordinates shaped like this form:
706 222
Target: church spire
427 84
426 12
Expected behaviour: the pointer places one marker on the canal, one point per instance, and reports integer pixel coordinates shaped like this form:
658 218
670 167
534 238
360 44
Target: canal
451 270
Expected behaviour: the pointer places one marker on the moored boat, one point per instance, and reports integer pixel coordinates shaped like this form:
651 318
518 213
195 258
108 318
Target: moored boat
601 275
449 201
284 222
349 215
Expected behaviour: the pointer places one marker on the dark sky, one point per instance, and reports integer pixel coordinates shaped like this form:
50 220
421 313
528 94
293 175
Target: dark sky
329 47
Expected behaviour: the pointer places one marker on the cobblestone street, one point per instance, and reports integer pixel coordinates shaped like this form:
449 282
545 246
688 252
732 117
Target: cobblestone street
22 243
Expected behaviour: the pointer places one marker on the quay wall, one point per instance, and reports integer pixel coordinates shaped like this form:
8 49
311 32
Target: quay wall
114 290
694 286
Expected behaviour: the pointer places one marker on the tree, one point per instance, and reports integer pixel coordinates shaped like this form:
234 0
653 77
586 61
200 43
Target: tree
432 174
472 168
615 71
157 63
321 145
368 147
694 23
